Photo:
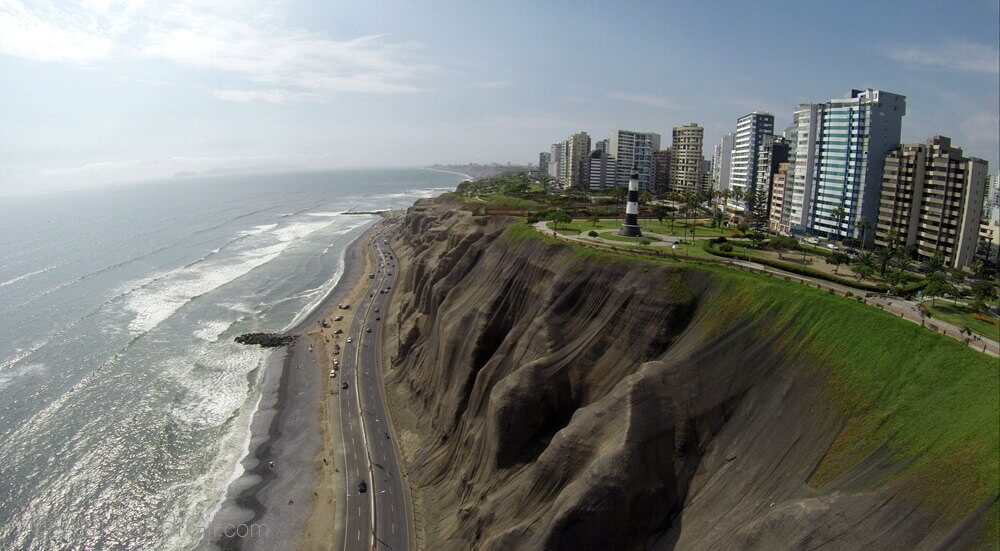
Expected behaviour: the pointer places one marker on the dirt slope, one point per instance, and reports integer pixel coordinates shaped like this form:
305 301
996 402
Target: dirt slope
553 401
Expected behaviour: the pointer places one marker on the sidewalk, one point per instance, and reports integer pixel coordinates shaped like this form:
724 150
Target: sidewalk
904 309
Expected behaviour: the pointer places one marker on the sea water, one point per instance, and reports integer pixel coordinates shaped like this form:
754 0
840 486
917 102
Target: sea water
125 405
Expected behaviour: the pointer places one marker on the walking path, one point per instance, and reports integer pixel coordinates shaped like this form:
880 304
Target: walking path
905 309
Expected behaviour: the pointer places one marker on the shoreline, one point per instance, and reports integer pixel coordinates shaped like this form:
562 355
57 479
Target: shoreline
269 507
467 177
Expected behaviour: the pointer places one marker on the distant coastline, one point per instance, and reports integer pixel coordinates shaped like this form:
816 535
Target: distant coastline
448 172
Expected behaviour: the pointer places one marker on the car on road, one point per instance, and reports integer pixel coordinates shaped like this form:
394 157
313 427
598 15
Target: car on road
333 373
377 318
350 340
362 487
343 385
376 309
368 329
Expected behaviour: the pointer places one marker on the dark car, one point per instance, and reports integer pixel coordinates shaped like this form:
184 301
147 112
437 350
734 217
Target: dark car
343 385
368 330
362 487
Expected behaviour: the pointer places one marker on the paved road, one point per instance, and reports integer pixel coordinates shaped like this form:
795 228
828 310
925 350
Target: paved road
370 454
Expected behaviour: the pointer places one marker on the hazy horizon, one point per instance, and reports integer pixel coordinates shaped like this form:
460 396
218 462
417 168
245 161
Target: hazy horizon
107 91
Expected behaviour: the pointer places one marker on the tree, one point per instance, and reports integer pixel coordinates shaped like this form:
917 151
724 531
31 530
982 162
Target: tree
884 256
837 258
559 216
594 221
937 286
936 263
864 225
619 193
862 271
984 291
717 218
978 267
759 216
672 216
903 262
839 213
660 212
646 197
867 259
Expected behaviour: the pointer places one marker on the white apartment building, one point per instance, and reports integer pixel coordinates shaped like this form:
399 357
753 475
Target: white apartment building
628 148
750 131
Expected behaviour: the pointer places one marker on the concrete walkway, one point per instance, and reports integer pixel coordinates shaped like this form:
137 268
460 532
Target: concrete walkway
905 309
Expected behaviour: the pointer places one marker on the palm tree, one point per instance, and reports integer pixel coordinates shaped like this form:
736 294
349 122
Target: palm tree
839 214
864 225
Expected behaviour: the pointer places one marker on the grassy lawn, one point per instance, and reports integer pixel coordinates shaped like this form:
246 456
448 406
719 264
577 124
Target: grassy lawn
701 230
615 237
961 316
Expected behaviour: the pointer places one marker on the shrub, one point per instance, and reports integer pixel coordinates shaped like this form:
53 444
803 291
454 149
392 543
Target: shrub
719 240
592 233
531 220
726 248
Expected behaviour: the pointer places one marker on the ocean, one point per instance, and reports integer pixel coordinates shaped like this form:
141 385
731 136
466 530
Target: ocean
125 405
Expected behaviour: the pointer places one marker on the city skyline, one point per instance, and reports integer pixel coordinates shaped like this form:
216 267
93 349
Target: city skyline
110 91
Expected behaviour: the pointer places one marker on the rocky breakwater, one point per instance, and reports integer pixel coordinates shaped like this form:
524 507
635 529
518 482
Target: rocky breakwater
553 398
265 340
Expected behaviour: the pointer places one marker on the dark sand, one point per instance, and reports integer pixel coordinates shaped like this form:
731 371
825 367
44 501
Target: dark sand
267 508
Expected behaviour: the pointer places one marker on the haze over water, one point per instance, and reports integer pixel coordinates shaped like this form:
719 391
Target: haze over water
124 403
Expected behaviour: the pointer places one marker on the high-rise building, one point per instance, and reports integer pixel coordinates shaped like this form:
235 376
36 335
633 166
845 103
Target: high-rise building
932 200
992 196
602 168
840 147
602 145
685 158
750 131
556 168
778 187
661 169
634 149
543 162
576 153
773 151
722 161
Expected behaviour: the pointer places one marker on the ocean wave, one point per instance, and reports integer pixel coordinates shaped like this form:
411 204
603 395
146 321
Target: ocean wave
160 298
27 275
9 376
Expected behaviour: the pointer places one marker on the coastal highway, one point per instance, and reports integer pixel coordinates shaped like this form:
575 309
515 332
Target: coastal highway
370 453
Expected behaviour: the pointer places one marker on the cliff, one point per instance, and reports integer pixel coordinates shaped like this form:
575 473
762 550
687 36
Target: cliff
556 398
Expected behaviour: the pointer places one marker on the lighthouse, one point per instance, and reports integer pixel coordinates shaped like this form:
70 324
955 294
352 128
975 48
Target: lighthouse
631 226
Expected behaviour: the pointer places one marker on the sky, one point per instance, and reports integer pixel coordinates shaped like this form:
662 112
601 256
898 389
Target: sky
104 91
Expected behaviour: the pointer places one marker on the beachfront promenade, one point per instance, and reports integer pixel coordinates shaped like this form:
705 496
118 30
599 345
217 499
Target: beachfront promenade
905 309
380 517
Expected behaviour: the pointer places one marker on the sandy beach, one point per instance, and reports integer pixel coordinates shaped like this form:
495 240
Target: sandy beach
285 498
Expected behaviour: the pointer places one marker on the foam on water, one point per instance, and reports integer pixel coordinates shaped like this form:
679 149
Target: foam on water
10 375
159 299
26 276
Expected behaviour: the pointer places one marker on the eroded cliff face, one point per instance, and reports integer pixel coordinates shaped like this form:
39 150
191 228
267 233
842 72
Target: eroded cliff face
564 402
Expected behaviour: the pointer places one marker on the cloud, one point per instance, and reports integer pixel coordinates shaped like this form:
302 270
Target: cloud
652 101
955 55
263 60
49 36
